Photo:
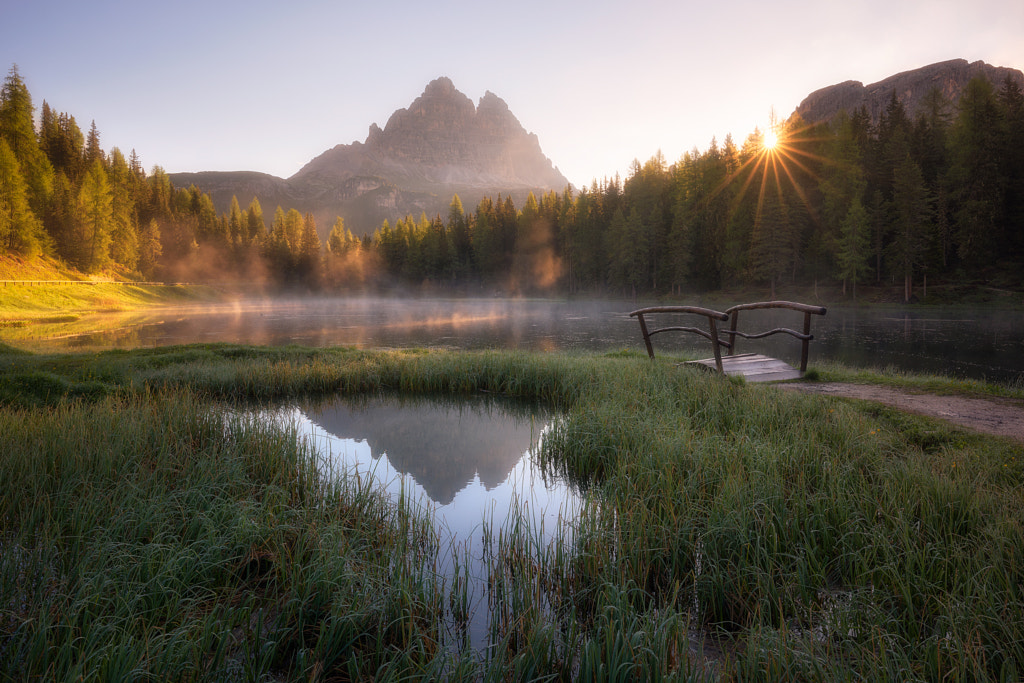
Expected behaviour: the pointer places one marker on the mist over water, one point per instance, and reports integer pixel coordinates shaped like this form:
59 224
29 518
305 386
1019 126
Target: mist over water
961 343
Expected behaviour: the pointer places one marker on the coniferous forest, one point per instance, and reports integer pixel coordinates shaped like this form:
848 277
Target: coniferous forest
904 201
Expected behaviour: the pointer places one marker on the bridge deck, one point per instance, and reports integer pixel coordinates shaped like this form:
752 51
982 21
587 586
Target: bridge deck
754 367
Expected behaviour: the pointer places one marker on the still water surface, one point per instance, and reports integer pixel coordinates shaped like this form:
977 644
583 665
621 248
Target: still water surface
469 464
959 342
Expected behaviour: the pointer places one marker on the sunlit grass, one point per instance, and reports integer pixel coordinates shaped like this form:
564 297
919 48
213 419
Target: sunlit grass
23 304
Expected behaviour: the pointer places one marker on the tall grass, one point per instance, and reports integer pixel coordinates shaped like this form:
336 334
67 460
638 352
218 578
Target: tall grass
159 536
730 531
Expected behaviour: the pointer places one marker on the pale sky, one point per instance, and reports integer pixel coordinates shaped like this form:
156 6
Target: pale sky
266 86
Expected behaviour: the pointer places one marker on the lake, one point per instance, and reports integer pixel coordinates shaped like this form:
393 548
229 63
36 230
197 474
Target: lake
960 342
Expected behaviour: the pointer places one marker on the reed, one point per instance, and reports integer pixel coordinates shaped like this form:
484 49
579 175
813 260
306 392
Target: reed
152 523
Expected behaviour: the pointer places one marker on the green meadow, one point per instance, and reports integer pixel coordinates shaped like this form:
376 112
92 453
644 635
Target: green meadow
153 529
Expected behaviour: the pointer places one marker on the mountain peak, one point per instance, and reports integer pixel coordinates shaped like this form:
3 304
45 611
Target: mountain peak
440 87
442 141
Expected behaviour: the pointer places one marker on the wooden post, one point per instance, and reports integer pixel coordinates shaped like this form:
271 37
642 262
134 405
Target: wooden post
806 343
647 337
714 345
732 331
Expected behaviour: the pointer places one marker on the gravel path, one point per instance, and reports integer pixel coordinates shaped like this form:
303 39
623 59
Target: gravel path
1001 417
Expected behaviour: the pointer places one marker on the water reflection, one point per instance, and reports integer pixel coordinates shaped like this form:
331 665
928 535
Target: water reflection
959 342
443 446
469 463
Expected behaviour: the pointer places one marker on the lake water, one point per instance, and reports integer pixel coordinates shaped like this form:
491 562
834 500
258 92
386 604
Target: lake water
469 464
959 342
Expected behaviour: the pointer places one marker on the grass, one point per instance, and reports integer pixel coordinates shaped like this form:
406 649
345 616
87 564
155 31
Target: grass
150 530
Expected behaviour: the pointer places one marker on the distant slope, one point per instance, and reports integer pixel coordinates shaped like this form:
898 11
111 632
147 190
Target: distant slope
222 185
440 146
910 87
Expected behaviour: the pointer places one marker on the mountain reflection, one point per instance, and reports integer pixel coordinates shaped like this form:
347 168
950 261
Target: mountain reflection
442 444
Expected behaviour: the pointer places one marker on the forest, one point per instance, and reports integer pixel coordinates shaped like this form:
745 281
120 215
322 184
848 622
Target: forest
905 202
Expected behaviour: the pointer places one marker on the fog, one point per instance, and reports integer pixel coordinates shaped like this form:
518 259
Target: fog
980 345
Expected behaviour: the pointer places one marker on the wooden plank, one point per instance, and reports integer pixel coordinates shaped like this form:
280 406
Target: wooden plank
754 367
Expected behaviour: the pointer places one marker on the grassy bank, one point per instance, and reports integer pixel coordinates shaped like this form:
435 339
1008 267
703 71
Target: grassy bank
792 536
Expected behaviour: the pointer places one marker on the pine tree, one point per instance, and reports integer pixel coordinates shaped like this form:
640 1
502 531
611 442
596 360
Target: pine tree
93 152
150 249
854 245
62 142
974 175
161 194
912 210
1011 164
772 248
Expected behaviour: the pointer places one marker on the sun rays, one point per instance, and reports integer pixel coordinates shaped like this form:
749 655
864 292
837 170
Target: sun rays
773 159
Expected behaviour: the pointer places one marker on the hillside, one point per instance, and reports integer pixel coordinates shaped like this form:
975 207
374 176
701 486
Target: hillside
910 87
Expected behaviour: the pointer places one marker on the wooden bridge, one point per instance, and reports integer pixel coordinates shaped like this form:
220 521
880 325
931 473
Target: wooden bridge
754 367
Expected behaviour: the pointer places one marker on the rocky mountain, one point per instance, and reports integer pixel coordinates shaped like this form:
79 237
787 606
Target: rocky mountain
911 87
441 145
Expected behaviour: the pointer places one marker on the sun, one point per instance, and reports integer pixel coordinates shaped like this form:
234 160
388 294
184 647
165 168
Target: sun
770 141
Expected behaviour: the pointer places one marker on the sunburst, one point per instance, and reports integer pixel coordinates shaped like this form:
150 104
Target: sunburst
776 156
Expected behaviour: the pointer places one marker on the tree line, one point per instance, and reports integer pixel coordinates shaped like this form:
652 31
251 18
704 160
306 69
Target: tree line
902 199
899 200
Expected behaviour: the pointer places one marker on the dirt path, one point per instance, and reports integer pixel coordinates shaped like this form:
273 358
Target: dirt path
1001 417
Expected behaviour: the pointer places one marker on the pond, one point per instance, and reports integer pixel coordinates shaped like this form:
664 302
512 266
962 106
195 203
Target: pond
960 342
469 464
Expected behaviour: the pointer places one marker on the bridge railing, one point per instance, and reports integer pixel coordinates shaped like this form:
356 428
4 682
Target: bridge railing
730 315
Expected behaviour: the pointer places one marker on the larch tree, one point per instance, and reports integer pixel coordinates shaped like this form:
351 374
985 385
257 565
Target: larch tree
124 245
308 263
17 127
21 232
256 229
95 219
236 227
462 244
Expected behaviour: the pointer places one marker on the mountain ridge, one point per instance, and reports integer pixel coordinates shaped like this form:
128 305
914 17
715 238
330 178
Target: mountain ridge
910 87
439 146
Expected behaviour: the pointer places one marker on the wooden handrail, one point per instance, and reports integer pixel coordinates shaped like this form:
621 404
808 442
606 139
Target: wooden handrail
708 313
731 315
807 309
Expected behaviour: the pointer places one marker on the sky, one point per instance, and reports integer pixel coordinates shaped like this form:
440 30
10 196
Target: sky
260 85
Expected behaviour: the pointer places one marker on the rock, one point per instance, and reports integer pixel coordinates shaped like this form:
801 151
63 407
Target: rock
910 87
443 140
